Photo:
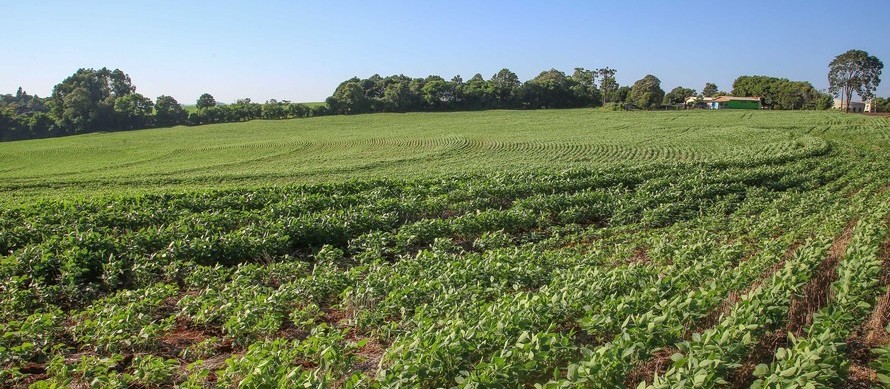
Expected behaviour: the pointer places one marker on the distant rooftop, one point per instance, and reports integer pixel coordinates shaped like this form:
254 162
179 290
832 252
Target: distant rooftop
723 99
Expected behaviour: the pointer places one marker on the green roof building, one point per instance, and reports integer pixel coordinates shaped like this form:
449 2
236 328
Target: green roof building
734 102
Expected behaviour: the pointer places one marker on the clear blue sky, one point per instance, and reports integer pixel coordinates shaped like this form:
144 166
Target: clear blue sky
300 51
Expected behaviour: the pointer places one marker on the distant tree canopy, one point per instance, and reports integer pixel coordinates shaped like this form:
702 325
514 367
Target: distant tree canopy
205 101
503 90
106 100
780 93
678 95
168 112
710 90
85 101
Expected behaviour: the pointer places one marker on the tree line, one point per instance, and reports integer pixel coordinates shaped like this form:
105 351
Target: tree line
93 100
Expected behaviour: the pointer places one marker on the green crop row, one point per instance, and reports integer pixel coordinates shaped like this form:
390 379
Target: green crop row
818 359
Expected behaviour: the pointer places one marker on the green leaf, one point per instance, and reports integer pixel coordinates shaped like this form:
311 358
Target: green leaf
761 370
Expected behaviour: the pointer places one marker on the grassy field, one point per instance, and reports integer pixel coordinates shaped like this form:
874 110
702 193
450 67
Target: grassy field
556 248
398 145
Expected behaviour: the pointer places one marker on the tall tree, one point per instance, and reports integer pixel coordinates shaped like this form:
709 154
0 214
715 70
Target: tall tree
205 101
710 90
854 71
504 88
608 85
585 87
647 92
85 100
121 85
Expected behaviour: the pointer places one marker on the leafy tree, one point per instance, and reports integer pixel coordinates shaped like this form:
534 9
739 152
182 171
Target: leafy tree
21 103
823 101
80 111
608 86
476 92
319 110
854 71
41 125
436 93
881 104
710 90
349 99
244 109
213 114
84 101
780 93
457 91
646 92
273 109
397 97
550 89
374 86
194 119
168 112
298 110
133 111
504 88
678 95
8 125
121 85
205 101
585 87
622 95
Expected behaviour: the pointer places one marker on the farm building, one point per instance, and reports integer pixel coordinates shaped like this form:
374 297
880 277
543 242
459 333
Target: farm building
735 102
870 106
699 102
855 106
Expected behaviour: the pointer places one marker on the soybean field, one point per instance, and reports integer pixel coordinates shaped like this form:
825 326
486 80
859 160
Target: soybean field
497 249
342 148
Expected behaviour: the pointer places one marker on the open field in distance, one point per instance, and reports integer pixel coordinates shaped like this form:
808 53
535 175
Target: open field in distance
404 145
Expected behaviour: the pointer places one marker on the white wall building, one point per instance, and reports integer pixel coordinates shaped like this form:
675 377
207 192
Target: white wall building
855 106
870 106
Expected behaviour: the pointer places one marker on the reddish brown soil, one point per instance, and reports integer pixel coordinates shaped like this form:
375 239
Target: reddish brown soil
645 371
743 376
370 354
641 256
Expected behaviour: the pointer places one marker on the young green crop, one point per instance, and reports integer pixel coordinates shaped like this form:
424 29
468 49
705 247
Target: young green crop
480 249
